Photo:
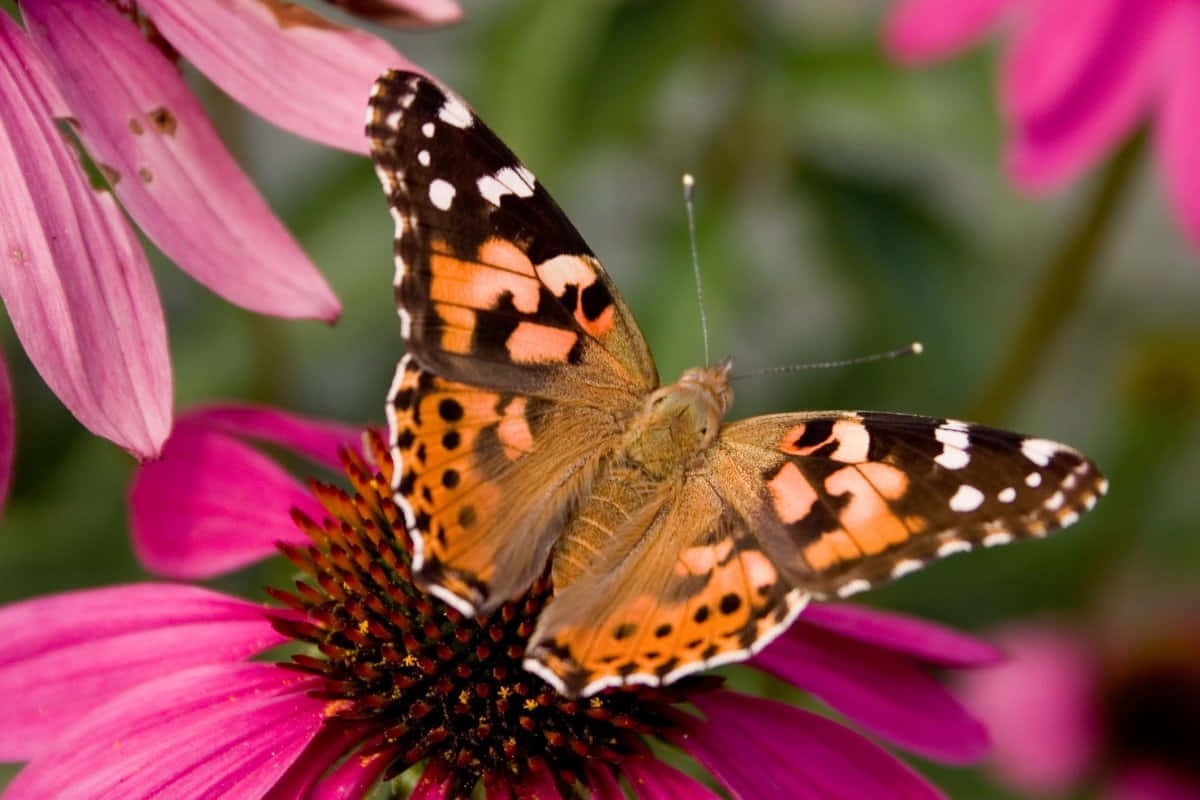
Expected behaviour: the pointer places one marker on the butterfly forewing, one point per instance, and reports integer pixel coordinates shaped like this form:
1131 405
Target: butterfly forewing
848 500
493 283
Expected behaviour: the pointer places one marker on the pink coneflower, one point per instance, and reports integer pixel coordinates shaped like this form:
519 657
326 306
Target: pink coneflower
1068 712
72 274
1078 78
146 690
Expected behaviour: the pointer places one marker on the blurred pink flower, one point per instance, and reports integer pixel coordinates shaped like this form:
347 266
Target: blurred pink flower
1077 78
1065 712
73 277
147 689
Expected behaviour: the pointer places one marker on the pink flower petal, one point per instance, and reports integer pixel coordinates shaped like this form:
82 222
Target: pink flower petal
434 783
317 440
353 778
212 504
926 641
654 780
1180 116
306 778
75 282
539 785
218 731
923 30
761 748
404 13
283 61
1077 81
8 433
67 653
602 784
143 125
881 690
1039 709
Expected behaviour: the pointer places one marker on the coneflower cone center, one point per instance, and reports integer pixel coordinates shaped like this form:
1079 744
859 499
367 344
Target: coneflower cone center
429 683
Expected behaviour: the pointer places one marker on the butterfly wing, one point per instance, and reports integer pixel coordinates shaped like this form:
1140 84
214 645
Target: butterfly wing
693 590
789 507
494 285
842 501
521 355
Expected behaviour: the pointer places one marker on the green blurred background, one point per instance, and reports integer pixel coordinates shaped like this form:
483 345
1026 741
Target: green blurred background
844 205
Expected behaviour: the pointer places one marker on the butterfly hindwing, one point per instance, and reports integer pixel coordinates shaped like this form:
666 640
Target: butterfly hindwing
476 465
684 585
848 500
494 285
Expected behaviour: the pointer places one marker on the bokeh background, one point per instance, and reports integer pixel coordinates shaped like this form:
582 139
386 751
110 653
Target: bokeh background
844 205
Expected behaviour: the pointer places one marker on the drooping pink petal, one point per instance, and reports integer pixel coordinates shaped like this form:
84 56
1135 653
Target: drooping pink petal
922 30
761 748
212 504
8 432
881 690
404 13
1179 118
538 785
218 731
353 778
1077 80
150 136
318 440
308 771
282 61
1039 709
927 641
97 643
75 282
654 780
602 783
434 783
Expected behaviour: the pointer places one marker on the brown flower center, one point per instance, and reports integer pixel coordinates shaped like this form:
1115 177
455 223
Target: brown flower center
429 682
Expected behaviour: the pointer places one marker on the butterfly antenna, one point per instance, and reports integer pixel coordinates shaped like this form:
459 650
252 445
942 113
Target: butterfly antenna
689 185
914 349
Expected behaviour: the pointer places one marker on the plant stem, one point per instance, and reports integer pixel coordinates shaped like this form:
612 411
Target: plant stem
1066 277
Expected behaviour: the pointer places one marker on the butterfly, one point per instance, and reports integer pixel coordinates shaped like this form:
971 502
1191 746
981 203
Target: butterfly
531 431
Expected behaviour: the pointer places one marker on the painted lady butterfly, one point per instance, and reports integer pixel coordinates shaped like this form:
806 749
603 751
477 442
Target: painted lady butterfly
529 427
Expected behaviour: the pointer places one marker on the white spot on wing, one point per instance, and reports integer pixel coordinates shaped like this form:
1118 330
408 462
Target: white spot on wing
518 181
951 458
1103 486
1007 494
491 189
1033 480
428 129
997 539
441 194
905 567
853 587
1054 501
1068 518
1040 451
953 546
967 498
423 158
454 112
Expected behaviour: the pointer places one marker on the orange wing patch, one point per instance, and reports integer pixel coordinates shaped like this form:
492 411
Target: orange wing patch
442 435
667 611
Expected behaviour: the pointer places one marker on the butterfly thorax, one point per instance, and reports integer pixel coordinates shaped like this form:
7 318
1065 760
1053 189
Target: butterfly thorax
677 423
